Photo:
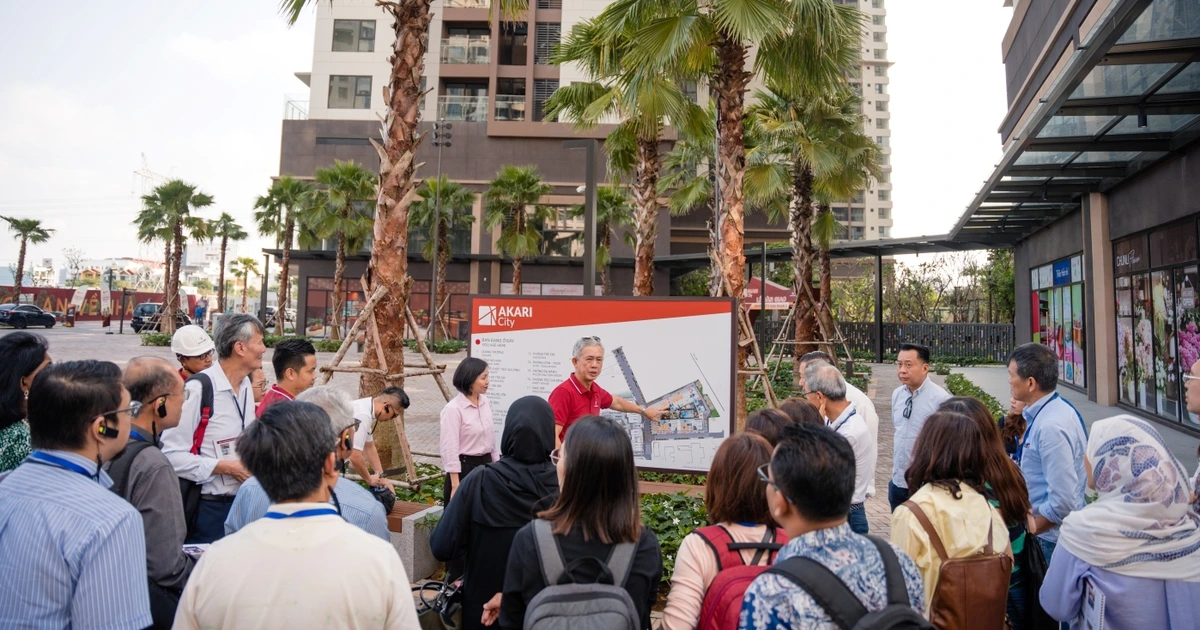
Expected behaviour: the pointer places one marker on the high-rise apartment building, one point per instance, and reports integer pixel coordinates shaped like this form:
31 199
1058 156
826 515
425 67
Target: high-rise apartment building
490 80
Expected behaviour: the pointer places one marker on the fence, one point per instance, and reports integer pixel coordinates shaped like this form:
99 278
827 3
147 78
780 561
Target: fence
962 341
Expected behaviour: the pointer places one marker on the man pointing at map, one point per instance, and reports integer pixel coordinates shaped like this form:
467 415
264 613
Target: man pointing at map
580 395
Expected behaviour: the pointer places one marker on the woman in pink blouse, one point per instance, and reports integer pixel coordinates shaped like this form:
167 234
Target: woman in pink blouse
468 438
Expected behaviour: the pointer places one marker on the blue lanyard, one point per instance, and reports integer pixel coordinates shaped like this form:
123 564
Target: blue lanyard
1029 427
44 458
133 433
240 407
302 513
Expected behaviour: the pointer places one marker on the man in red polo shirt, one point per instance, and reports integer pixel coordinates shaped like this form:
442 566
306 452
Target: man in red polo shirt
580 395
295 363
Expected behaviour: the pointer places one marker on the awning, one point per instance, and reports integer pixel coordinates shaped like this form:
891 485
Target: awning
779 297
1127 97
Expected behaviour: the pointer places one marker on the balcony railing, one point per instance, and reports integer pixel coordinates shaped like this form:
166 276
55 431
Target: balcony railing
464 108
469 50
467 4
295 108
510 107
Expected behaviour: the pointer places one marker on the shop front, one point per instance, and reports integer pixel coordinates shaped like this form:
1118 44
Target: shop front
1057 314
1158 322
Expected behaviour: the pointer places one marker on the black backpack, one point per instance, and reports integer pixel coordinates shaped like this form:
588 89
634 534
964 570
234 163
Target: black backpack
118 469
189 489
843 606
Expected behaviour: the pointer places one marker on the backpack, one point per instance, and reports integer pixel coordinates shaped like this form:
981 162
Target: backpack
723 599
972 591
189 489
843 606
564 605
118 470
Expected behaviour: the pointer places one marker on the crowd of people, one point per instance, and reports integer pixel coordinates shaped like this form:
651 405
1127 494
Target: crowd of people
190 495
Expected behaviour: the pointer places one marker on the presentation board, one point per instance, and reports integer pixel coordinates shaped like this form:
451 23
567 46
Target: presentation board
677 353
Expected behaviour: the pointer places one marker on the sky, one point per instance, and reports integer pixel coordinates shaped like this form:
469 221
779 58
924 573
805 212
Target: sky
199 90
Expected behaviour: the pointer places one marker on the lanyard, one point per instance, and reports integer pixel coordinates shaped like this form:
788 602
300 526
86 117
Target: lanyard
46 459
302 513
133 433
240 407
850 411
1029 427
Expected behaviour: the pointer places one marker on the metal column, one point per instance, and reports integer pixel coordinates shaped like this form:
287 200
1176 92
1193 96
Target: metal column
878 308
589 212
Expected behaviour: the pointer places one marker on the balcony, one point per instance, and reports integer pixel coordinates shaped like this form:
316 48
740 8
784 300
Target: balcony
466 50
463 108
510 107
467 4
295 108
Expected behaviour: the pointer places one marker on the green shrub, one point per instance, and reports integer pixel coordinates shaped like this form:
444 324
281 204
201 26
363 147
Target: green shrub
441 346
959 385
671 517
162 340
942 369
327 345
664 477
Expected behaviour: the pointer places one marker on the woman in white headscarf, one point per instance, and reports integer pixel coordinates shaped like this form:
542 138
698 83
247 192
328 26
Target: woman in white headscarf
1138 544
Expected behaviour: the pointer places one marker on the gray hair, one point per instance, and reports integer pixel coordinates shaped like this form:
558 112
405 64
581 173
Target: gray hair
334 401
1038 362
286 449
585 343
825 379
231 329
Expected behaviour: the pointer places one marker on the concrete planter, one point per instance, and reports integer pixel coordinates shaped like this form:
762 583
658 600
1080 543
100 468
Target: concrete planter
412 543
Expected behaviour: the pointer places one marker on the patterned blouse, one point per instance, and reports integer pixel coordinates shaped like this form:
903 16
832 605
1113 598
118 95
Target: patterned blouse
14 445
773 601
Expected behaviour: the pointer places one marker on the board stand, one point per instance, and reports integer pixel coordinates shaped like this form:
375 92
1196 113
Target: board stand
428 367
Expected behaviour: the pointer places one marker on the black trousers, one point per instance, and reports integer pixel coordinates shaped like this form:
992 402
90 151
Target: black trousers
163 603
455 567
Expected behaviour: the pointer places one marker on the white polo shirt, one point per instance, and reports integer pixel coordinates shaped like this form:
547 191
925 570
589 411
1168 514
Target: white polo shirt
231 414
364 412
851 426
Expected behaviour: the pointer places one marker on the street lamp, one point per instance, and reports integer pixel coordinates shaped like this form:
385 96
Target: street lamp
441 140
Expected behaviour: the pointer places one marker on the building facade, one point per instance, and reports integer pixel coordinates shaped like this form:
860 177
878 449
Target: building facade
1099 193
490 79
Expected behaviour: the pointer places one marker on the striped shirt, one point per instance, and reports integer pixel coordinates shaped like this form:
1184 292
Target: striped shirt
73 554
359 508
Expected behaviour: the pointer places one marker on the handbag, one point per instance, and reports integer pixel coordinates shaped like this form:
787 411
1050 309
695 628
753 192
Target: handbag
439 605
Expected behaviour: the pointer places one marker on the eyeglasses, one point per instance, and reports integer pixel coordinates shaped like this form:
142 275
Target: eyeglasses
555 456
762 474
593 338
134 409
908 408
1189 377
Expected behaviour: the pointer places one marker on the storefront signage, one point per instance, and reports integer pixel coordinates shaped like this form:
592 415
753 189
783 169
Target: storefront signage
1033 280
1129 259
1130 255
1077 269
1046 277
1062 272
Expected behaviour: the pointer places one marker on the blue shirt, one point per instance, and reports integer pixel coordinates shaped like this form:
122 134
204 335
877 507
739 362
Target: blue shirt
72 553
925 401
773 601
359 508
1052 460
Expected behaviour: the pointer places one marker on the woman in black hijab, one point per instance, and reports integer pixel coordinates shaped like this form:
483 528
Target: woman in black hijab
496 500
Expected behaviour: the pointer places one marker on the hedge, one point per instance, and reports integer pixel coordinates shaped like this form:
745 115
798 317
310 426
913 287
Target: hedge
960 385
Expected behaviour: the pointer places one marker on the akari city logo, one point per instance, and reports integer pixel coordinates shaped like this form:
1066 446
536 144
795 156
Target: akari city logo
503 316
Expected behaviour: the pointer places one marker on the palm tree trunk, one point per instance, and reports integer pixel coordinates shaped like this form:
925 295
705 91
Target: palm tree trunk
285 285
166 264
339 294
519 228
730 85
173 299
645 197
245 284
800 218
605 275
442 262
826 310
389 256
19 277
221 277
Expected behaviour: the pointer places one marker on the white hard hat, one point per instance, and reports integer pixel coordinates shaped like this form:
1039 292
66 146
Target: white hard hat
191 341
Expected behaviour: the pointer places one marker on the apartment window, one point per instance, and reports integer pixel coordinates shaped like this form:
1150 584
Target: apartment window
354 36
856 232
881 123
876 4
883 141
877 36
346 92
856 215
884 195
885 214
548 35
885 231
859 197
879 53
549 4
689 91
881 71
542 89
877 20
842 214
881 106
514 44
881 88
510 99
421 98
857 87
885 178
885 159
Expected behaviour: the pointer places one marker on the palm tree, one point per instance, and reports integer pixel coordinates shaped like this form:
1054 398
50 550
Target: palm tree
641 105
507 203
453 212
612 213
27 231
276 215
169 209
242 268
226 229
340 211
